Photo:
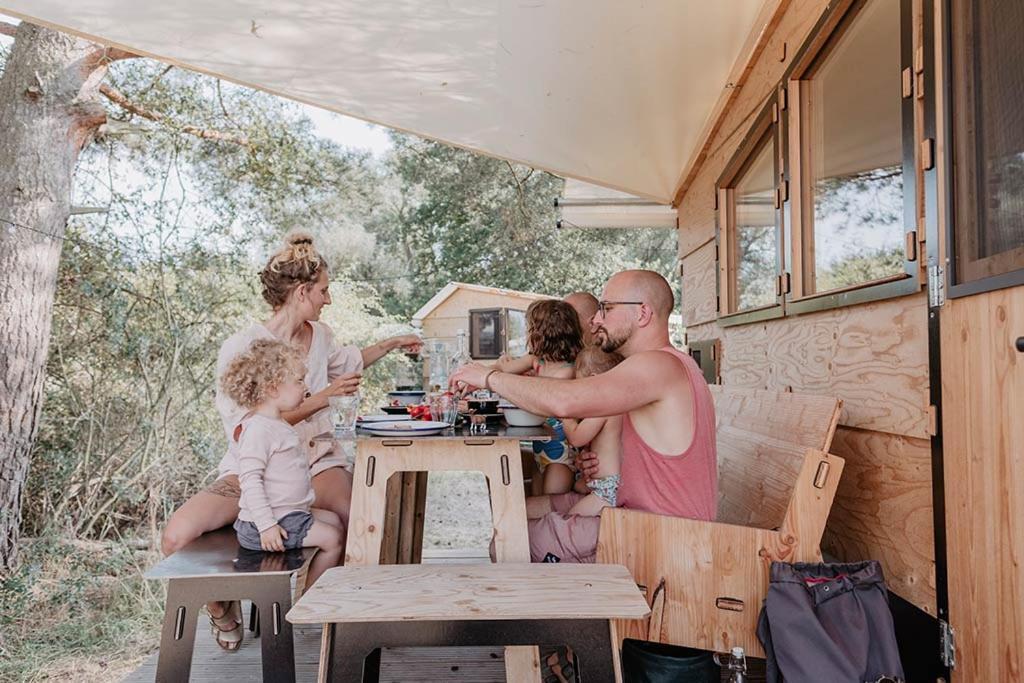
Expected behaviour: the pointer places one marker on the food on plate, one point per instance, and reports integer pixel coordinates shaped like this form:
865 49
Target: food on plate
419 412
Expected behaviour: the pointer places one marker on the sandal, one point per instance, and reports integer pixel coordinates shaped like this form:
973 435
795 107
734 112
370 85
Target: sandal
227 628
558 665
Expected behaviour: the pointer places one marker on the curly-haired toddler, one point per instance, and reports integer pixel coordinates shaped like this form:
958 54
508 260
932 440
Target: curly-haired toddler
273 470
553 337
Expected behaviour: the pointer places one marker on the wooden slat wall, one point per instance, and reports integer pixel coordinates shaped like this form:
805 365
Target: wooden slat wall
872 356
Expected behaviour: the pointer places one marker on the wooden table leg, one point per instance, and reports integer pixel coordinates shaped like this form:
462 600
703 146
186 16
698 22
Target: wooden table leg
508 502
367 514
177 638
419 516
392 531
407 519
273 598
522 663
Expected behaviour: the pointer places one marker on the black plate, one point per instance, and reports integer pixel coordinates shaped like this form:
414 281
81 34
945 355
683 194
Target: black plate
395 410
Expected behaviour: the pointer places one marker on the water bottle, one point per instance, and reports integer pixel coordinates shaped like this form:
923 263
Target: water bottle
735 663
461 356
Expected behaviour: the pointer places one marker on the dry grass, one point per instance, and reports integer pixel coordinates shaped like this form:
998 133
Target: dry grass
72 612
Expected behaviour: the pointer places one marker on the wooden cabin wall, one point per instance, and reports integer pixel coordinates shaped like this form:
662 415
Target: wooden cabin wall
873 356
452 315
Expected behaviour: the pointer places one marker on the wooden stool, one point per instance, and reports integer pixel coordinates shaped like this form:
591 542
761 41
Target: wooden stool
497 457
476 604
214 567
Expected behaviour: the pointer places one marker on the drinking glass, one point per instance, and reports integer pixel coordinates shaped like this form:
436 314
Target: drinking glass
443 408
345 410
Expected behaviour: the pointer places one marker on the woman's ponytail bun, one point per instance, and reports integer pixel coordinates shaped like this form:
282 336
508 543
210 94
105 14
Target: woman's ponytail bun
296 263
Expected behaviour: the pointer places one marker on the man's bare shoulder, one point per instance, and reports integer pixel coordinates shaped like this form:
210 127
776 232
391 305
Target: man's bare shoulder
655 366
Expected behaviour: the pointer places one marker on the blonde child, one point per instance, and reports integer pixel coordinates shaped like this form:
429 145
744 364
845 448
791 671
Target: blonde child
603 434
273 470
553 338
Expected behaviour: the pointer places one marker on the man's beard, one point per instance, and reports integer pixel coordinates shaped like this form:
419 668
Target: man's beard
608 343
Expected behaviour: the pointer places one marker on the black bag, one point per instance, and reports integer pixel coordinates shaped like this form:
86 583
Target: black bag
828 622
647 662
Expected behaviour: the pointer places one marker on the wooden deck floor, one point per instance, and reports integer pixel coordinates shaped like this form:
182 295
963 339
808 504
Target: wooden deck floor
405 665
473 664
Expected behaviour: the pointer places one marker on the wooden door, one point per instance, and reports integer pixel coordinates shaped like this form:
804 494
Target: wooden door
983 438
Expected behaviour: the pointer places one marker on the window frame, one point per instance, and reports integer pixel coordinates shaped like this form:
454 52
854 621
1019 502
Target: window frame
822 38
955 144
499 331
766 125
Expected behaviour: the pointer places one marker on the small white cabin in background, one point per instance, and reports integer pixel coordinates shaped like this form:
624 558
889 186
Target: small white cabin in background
494 319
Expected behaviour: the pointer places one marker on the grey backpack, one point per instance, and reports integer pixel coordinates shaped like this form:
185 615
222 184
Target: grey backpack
828 622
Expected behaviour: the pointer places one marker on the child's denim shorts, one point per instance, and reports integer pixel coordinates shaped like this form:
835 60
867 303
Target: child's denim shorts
296 525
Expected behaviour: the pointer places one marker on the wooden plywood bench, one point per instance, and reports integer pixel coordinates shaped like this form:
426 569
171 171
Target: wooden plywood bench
215 567
364 608
706 581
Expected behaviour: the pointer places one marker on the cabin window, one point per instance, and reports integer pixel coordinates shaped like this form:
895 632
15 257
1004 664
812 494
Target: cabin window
988 144
750 227
853 166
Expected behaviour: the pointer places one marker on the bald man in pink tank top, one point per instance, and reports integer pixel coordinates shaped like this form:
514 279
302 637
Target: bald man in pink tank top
669 460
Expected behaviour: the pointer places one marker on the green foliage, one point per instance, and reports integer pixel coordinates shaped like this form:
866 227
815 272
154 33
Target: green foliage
459 216
862 267
757 248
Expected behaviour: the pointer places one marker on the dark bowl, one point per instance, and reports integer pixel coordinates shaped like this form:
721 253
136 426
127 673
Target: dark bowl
488 406
395 410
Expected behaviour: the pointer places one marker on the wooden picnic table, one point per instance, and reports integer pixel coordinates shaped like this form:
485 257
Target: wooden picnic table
519 604
389 489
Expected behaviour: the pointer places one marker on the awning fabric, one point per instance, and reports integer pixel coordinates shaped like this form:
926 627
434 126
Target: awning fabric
616 92
583 205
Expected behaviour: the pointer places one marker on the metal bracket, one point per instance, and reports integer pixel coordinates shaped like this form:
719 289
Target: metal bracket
936 286
947 644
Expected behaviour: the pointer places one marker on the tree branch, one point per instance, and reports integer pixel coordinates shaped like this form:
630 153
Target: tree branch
7 29
118 98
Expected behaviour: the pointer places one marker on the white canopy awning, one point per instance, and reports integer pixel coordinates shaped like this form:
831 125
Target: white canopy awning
583 205
615 92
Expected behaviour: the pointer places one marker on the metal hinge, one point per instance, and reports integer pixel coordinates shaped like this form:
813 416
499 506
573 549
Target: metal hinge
947 644
936 286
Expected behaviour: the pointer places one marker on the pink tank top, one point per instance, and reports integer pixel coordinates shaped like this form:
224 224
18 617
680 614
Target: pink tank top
681 485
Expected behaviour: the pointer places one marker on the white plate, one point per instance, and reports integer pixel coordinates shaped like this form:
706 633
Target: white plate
384 418
406 428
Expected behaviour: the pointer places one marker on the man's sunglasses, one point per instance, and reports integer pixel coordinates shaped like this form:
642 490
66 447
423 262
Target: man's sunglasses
604 306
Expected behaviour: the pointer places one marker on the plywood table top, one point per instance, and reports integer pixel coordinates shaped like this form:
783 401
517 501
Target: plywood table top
471 592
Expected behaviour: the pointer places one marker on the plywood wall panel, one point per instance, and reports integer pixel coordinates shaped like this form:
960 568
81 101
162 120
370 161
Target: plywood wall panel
983 440
883 510
699 272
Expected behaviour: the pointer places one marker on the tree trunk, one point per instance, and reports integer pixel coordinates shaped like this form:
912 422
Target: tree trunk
48 112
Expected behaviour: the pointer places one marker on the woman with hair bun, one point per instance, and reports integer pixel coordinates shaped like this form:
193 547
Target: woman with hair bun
295 284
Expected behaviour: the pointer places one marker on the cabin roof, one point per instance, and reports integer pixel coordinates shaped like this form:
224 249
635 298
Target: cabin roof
449 289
